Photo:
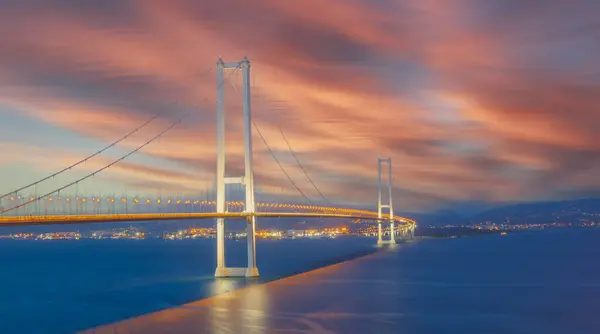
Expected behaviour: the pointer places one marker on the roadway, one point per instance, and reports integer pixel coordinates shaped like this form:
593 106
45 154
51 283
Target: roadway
105 218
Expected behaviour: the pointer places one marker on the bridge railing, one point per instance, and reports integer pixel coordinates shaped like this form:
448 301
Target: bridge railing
112 208
77 205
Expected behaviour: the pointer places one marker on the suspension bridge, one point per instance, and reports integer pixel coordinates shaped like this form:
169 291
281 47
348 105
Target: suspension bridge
25 210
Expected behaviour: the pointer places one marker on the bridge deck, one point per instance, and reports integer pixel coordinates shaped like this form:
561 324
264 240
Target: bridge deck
100 218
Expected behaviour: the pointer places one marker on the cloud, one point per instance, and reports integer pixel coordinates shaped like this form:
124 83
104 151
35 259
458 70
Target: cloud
475 101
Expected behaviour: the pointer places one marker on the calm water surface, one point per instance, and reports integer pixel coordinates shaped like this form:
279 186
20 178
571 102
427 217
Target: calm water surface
542 282
65 286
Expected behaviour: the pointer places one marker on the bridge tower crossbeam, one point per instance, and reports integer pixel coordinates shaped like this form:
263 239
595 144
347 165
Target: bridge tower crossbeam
247 180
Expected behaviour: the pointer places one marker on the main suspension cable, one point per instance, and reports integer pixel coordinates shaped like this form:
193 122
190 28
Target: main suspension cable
110 164
129 134
100 169
302 167
279 164
84 159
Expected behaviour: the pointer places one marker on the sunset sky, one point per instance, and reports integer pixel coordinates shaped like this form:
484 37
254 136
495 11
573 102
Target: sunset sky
477 102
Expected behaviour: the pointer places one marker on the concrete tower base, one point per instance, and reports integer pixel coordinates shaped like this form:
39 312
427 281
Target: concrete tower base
236 272
221 272
252 272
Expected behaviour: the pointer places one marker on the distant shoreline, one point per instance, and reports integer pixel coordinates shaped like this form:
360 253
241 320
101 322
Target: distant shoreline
458 232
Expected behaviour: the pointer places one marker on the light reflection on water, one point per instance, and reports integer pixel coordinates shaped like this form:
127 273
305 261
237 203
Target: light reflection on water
243 311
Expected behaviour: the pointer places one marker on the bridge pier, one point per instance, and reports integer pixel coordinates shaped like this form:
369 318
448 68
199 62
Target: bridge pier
247 180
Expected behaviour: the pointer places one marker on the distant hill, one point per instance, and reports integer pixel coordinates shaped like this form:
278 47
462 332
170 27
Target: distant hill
543 212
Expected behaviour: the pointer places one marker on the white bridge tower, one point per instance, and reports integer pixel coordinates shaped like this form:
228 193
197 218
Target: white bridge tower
247 180
389 205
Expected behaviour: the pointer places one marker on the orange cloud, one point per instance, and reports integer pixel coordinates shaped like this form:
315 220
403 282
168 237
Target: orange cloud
472 101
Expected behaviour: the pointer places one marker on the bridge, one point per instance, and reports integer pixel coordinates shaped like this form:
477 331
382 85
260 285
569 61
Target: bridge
17 214
118 217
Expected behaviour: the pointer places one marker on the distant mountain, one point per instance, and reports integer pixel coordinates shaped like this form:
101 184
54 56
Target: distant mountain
543 212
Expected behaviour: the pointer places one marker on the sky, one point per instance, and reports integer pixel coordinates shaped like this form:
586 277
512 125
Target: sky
477 103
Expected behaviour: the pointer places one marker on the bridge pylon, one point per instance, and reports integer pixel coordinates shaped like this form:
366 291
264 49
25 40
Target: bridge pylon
389 205
247 180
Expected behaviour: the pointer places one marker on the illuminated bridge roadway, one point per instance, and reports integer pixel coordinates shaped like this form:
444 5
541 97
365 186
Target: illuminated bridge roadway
120 217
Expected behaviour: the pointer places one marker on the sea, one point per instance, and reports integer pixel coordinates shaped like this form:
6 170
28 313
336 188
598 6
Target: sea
548 280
